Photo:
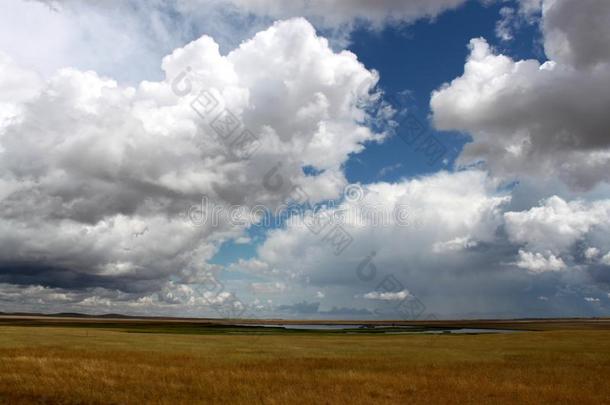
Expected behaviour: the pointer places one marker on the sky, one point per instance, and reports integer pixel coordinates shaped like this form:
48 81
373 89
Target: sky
324 159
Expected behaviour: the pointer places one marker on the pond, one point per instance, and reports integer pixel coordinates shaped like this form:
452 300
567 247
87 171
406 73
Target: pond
381 328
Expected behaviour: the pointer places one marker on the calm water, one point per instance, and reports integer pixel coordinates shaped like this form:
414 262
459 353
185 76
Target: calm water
399 329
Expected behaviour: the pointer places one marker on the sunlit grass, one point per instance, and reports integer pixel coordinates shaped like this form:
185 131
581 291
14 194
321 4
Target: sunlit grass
93 365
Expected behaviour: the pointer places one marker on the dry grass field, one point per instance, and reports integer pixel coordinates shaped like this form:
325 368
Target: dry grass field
98 365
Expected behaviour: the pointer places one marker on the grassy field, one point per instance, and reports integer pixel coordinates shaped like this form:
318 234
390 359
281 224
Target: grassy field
85 364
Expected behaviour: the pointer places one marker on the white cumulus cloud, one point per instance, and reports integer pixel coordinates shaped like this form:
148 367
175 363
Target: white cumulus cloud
541 120
538 263
387 296
557 224
96 176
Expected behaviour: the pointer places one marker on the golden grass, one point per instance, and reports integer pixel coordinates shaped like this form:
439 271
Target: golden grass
78 366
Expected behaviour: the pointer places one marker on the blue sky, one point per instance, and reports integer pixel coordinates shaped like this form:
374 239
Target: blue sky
458 148
407 58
